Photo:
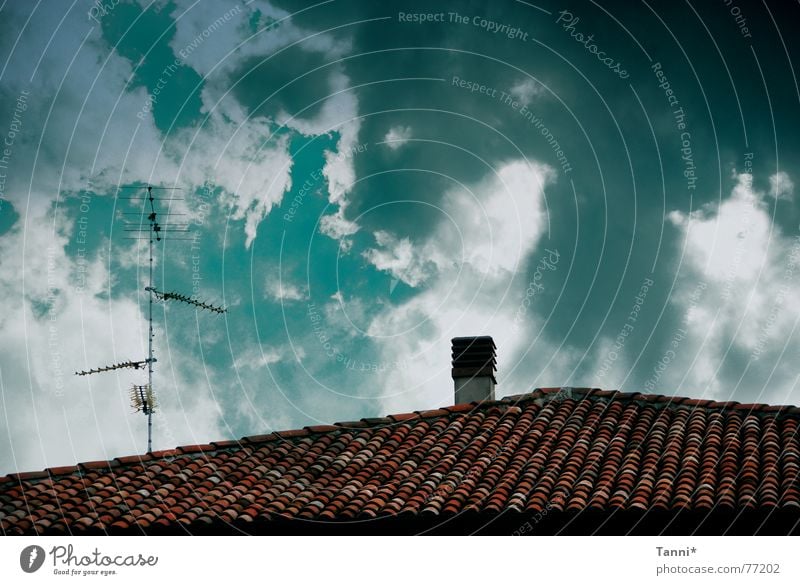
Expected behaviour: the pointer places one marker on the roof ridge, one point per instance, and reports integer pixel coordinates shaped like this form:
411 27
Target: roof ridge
656 399
546 394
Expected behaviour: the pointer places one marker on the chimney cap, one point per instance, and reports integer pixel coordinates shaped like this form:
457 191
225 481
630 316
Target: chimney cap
474 357
481 340
474 364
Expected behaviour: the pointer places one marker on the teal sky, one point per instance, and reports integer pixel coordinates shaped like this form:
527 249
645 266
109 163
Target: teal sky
608 189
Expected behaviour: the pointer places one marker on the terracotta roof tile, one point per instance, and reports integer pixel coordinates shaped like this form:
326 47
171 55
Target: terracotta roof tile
187 449
292 433
352 424
321 428
97 465
260 438
432 413
466 407
556 449
27 475
404 417
165 453
62 470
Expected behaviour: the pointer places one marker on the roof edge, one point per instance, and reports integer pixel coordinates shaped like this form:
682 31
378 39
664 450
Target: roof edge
538 394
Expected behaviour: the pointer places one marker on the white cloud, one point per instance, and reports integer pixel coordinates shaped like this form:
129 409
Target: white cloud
114 139
86 133
216 37
610 366
245 159
739 300
339 170
476 288
283 291
242 155
232 150
729 240
339 114
96 130
398 257
525 90
52 417
499 221
397 136
254 167
781 185
256 359
338 227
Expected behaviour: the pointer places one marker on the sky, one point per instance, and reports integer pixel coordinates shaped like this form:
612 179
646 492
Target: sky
605 188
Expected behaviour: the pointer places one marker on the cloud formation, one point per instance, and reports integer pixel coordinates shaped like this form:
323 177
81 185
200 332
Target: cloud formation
738 300
397 136
487 233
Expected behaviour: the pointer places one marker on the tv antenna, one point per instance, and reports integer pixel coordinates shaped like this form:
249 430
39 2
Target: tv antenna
143 398
119 366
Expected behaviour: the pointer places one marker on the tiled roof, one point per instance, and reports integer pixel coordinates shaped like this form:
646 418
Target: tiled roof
563 450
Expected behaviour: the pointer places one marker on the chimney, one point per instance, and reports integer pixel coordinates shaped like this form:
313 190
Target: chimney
474 365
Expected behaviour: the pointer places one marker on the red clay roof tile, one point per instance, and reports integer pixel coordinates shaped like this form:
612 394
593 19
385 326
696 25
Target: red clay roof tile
404 417
89 465
187 449
165 453
27 475
260 438
321 428
292 433
352 424
66 470
561 449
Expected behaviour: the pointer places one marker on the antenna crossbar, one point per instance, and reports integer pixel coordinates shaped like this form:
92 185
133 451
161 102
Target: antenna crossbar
172 296
120 366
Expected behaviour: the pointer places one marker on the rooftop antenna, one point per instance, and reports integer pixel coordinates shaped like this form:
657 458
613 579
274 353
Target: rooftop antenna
172 296
119 366
143 397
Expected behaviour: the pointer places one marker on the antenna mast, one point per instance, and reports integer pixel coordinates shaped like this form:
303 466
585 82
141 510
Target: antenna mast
147 408
143 398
